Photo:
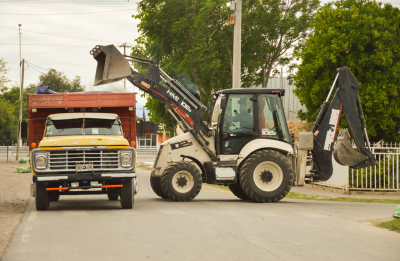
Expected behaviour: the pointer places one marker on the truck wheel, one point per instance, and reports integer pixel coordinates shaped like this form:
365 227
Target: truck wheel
155 183
127 195
54 196
181 181
237 190
113 194
42 199
266 176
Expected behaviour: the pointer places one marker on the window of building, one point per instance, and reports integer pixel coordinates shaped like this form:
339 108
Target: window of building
148 141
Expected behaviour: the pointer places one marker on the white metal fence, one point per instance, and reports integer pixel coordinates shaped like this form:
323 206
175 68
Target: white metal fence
23 152
384 175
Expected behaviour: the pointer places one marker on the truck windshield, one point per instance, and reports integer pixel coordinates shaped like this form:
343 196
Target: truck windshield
83 127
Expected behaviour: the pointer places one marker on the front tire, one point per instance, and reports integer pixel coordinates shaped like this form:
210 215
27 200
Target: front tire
42 198
181 181
237 190
54 196
127 195
113 194
155 183
266 176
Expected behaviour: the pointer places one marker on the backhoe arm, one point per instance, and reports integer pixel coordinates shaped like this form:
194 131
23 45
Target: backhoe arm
346 101
112 66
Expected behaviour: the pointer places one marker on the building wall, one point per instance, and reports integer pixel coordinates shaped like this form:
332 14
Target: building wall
291 103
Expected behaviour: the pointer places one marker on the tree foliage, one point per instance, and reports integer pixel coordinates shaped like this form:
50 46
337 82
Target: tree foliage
58 82
192 39
365 36
3 71
9 98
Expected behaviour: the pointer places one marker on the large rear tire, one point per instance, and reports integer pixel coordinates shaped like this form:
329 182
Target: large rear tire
266 176
42 198
181 181
155 183
237 190
127 195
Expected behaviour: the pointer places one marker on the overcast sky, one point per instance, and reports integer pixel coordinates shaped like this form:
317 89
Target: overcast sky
60 33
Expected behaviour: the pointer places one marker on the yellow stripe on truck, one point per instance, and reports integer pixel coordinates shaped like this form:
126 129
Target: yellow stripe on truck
50 148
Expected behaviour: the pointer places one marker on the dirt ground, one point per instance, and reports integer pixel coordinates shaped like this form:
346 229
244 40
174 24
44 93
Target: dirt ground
14 195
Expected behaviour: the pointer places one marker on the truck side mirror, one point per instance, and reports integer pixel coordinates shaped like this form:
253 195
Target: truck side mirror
223 103
23 129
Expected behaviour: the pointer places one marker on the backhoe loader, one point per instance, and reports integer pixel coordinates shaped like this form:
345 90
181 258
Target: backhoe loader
246 145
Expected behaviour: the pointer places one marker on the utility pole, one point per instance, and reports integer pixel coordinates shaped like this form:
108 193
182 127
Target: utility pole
125 46
21 70
237 45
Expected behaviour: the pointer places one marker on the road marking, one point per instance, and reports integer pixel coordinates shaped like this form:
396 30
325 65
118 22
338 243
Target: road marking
32 216
28 228
25 237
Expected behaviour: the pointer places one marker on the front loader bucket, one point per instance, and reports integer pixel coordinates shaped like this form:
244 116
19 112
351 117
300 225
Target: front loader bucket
345 154
111 65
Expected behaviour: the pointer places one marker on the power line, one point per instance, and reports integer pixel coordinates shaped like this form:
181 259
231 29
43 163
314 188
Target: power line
62 63
49 44
75 13
72 2
88 39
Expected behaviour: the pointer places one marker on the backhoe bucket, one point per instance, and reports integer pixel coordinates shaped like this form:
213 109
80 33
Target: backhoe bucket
344 152
111 65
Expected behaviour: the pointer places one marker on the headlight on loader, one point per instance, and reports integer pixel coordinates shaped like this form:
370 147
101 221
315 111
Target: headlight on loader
126 159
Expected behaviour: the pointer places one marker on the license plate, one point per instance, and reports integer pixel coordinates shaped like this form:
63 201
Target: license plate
81 167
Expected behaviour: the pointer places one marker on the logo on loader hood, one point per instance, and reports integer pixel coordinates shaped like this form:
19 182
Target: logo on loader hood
180 144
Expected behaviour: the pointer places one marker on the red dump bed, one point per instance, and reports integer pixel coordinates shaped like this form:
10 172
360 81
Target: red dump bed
123 104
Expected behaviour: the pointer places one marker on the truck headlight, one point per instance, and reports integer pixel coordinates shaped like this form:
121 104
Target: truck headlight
41 161
126 159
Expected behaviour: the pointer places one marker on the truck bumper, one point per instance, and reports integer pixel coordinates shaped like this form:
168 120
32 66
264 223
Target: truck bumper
118 176
81 177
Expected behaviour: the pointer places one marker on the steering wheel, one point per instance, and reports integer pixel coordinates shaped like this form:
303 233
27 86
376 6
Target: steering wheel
229 123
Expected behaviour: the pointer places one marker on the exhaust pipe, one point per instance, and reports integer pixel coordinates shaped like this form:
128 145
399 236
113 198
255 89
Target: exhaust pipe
111 65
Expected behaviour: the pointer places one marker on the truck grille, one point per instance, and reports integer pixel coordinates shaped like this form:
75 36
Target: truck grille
67 159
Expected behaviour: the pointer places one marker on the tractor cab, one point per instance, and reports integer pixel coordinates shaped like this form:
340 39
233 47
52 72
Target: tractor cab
243 115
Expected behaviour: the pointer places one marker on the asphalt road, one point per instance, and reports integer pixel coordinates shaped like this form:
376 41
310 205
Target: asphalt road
215 226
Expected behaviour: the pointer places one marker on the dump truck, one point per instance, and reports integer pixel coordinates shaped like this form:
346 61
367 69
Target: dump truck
81 144
246 144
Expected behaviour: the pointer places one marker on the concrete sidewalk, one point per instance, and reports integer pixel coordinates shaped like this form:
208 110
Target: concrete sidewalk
315 190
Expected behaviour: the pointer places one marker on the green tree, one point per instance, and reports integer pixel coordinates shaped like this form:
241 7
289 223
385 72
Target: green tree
58 82
192 39
365 36
3 71
8 121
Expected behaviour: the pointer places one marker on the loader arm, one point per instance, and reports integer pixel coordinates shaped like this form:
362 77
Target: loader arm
346 101
188 111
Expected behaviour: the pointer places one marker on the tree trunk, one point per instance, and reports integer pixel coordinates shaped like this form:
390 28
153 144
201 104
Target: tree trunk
266 76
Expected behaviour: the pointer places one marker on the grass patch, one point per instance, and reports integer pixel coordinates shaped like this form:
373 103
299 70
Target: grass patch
143 166
295 195
393 225
342 199
217 186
